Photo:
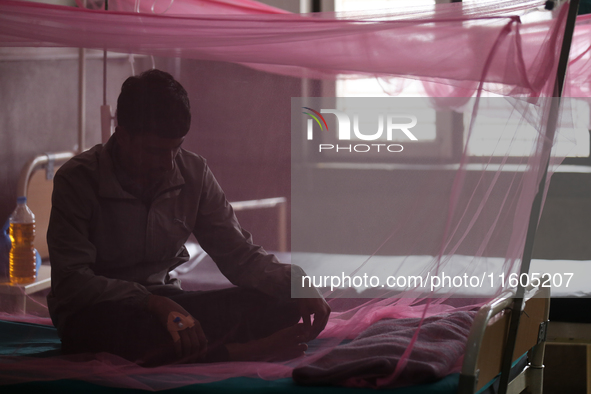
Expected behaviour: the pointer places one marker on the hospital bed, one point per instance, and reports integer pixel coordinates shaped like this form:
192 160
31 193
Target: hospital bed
482 359
481 365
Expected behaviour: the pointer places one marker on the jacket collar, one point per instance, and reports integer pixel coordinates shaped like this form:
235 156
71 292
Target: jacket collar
110 187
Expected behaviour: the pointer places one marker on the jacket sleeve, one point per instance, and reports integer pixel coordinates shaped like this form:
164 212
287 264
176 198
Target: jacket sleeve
242 262
73 282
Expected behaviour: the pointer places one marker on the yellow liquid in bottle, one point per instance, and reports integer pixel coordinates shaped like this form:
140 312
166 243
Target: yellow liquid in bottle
22 259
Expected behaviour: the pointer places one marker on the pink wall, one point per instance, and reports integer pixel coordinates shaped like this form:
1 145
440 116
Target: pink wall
241 124
39 114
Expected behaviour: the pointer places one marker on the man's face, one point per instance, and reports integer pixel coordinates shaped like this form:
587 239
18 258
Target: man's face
148 158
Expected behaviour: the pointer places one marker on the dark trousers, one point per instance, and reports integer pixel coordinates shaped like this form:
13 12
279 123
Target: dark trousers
233 315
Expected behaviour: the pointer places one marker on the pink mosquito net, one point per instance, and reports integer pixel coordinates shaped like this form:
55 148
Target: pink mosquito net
455 202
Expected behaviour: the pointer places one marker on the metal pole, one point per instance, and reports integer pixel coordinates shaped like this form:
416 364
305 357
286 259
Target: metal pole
106 116
105 65
82 97
537 203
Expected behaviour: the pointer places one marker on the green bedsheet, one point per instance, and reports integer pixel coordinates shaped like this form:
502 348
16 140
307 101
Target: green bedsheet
24 339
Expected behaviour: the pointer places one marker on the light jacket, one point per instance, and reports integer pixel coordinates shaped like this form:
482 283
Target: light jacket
107 245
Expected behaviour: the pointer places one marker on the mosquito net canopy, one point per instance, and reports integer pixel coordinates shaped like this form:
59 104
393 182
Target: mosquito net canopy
422 220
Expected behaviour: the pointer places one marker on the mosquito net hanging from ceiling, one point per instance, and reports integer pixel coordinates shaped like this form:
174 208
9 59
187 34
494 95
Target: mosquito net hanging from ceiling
455 199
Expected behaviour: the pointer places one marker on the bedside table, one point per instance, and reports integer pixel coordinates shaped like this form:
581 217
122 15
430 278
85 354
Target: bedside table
14 298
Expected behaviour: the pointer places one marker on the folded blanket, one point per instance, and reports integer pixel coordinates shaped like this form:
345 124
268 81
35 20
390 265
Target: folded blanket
375 353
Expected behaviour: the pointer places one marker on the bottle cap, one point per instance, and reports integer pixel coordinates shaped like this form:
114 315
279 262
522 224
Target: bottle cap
21 200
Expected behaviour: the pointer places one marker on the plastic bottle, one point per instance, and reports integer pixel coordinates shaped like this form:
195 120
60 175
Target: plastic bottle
22 258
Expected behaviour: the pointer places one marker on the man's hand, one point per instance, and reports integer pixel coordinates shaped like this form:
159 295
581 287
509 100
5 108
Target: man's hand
190 343
321 311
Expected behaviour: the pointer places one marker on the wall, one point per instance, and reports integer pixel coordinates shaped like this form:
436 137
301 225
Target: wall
40 98
241 125
39 101
39 114
564 231
354 211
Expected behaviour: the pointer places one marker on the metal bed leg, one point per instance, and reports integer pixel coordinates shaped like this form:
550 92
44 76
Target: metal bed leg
588 369
536 369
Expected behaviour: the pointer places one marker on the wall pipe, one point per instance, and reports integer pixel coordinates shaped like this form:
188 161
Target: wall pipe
81 100
82 97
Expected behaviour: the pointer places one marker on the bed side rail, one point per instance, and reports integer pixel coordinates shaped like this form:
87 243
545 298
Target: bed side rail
280 203
37 186
46 161
488 335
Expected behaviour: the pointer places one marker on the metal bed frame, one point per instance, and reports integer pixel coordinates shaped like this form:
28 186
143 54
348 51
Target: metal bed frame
487 343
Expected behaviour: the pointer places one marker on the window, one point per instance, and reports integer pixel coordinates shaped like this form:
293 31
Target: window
501 130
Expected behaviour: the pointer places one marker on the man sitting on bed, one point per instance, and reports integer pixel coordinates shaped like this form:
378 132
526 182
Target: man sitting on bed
120 217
